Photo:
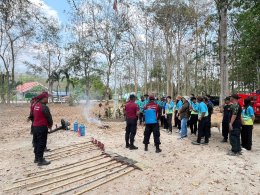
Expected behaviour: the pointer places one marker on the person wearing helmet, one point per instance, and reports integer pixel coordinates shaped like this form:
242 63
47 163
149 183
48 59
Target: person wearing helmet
151 112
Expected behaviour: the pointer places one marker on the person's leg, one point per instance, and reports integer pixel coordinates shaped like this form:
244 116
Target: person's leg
244 136
127 133
235 140
225 131
133 133
156 136
166 123
175 119
42 140
195 123
169 122
36 144
200 131
184 124
249 137
179 124
206 127
192 123
147 134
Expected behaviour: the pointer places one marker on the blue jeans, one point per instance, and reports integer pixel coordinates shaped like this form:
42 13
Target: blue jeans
184 127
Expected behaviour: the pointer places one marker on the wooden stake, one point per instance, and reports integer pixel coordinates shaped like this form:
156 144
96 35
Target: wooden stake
80 179
102 183
71 177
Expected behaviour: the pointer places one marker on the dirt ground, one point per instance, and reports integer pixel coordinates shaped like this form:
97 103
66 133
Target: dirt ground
181 168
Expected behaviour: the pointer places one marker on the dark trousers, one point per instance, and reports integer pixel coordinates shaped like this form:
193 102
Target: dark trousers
149 129
130 131
175 119
33 140
194 123
203 129
178 123
246 136
209 126
169 122
234 137
141 118
162 119
225 130
40 134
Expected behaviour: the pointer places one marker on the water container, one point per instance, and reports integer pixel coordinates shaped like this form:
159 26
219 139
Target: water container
75 126
82 130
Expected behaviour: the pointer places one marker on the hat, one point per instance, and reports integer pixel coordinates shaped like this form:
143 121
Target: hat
227 99
151 97
235 96
42 95
186 98
132 96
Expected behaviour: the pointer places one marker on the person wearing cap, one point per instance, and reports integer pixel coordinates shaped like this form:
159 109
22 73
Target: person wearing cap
247 118
235 126
169 107
203 122
42 121
151 112
177 108
30 117
194 115
184 116
131 113
226 110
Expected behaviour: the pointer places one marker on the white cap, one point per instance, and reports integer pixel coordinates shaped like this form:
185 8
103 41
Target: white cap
186 98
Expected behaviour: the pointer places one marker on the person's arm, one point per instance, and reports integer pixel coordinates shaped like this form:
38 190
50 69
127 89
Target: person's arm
183 108
137 110
47 114
233 117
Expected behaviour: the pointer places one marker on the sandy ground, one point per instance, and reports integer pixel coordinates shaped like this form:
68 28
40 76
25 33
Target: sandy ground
180 168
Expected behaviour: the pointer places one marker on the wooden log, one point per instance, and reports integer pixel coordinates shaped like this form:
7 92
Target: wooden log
71 177
79 179
102 183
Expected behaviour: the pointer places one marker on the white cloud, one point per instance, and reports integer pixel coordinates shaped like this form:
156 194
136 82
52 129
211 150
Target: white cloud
50 12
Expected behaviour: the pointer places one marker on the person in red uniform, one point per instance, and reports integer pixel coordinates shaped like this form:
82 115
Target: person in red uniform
151 111
131 113
42 121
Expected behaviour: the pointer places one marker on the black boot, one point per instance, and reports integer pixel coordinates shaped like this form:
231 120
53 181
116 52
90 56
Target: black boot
133 147
146 147
43 162
127 145
36 160
158 149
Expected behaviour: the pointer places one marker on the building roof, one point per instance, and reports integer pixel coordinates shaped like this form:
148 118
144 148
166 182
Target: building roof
27 86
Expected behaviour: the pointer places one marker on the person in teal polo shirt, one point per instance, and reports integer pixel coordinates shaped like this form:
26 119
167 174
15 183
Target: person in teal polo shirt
177 108
194 116
141 105
169 109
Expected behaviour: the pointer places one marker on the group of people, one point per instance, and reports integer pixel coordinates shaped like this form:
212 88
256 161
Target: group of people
188 111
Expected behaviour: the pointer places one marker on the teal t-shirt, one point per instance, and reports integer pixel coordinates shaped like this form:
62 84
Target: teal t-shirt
203 108
247 115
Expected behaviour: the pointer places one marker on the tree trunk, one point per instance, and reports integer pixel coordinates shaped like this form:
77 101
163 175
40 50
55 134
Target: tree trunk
3 88
146 59
8 87
178 65
224 84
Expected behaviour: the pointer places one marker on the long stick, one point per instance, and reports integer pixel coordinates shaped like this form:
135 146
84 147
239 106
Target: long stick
79 179
69 190
102 183
68 166
60 175
72 154
74 148
72 145
71 177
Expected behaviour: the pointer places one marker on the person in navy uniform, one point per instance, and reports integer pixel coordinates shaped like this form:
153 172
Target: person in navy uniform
226 109
131 113
42 120
151 112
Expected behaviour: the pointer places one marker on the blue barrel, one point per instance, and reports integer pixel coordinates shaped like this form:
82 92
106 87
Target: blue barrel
82 130
75 126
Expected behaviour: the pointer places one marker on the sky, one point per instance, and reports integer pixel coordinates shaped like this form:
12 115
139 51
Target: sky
58 6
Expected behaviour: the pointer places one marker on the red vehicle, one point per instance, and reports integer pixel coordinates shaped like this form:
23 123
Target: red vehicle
255 98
